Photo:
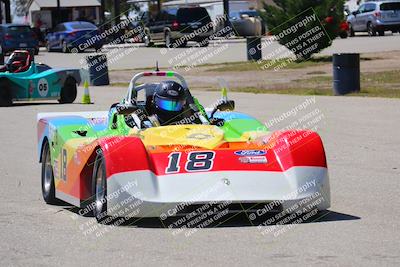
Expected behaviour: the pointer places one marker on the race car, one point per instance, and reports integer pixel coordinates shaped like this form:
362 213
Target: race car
22 79
123 163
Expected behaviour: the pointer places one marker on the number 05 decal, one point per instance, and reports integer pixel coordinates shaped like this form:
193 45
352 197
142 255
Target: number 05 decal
196 161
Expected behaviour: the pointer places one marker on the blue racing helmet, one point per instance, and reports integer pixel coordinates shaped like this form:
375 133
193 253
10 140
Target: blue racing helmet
169 97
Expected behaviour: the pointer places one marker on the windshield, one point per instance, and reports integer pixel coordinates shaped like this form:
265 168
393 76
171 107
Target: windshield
237 14
193 15
19 29
82 25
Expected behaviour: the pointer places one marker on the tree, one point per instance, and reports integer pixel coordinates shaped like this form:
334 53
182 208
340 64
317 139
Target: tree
304 26
21 7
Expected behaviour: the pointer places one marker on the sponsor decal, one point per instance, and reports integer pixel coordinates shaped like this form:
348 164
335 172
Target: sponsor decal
43 87
253 160
250 152
31 88
172 93
56 169
199 136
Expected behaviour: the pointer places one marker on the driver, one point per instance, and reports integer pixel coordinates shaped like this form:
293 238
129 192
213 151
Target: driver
169 104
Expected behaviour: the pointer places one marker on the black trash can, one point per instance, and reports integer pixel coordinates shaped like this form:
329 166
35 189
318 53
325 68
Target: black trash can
346 73
253 48
98 69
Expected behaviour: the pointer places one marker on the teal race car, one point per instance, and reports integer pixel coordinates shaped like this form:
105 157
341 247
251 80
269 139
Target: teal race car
21 79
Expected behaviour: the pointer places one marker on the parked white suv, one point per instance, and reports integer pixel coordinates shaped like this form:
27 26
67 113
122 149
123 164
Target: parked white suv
375 17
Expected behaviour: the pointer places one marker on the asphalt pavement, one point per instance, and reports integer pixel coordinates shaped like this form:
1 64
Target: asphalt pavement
361 229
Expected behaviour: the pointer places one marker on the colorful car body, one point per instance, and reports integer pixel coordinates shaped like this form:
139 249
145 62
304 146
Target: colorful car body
39 82
160 168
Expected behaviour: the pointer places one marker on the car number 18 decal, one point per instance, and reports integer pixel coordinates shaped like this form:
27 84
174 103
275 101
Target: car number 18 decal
43 87
196 161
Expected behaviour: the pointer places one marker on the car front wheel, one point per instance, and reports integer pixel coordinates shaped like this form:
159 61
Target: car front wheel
371 29
351 31
64 47
99 186
68 91
169 42
48 187
147 40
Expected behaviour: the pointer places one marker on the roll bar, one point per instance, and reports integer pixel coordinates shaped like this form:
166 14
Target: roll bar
132 84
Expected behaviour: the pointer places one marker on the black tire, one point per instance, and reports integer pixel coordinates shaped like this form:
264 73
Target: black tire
183 44
351 31
147 40
381 33
343 35
68 91
36 52
371 29
64 47
169 41
48 47
204 43
48 187
98 48
5 93
99 189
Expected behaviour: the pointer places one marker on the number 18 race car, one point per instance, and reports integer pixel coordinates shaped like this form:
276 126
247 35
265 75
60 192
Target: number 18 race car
129 162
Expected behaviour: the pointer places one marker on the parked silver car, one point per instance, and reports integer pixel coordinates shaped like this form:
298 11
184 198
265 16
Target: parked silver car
375 17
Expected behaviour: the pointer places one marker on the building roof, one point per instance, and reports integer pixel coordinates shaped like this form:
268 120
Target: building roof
65 3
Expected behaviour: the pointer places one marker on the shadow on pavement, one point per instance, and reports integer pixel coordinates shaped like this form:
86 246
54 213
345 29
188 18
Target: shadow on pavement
229 220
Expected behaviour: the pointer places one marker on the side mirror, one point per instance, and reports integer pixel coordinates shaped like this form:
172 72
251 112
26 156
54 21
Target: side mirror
226 105
223 105
126 109
354 13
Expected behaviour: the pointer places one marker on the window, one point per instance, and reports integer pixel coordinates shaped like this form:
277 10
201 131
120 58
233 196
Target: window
59 28
193 15
19 29
390 6
361 9
369 7
82 25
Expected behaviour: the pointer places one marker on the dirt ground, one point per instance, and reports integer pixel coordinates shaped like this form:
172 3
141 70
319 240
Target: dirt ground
204 78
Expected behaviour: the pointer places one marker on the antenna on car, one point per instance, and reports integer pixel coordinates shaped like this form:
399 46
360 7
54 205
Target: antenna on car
157 69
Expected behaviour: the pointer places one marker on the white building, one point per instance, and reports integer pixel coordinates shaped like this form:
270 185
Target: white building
215 7
44 13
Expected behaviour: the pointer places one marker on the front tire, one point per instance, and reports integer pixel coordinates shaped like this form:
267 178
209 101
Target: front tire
99 189
68 91
48 47
147 40
204 43
351 31
5 93
371 29
64 47
381 33
48 187
169 42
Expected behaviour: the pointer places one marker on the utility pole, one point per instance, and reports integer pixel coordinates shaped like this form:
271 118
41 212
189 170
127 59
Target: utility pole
226 12
102 10
7 11
58 13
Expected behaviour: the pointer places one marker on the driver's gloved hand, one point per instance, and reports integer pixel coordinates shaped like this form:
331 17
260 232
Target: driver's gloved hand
217 121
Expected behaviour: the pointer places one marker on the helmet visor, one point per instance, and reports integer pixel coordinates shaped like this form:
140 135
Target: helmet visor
169 105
